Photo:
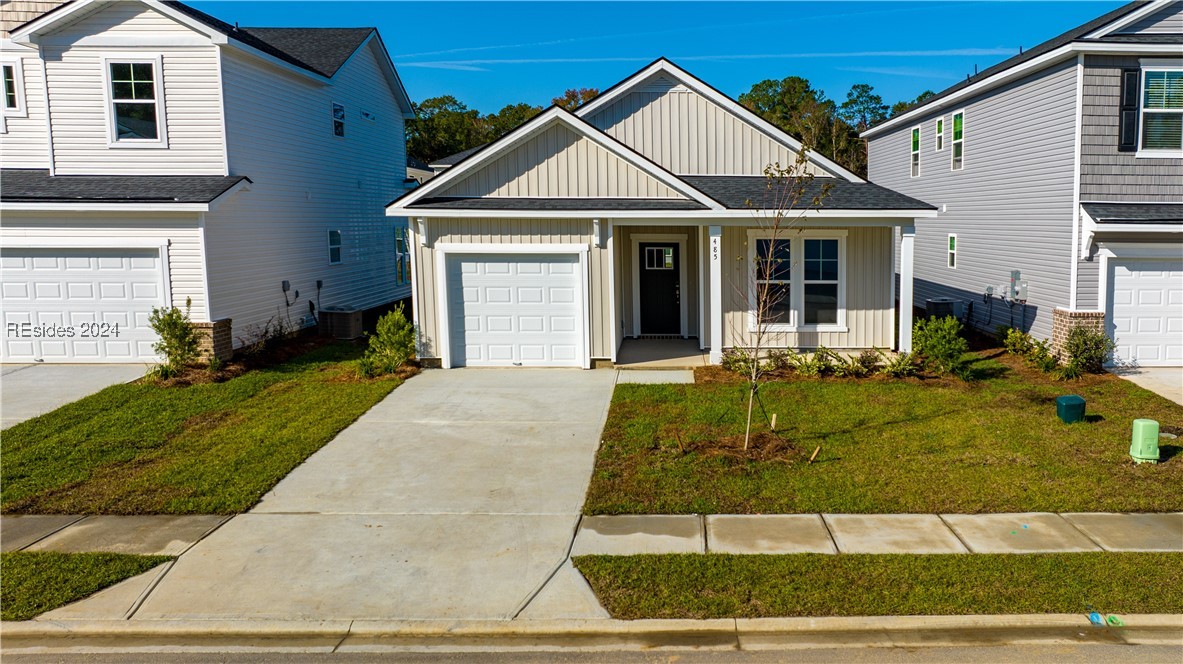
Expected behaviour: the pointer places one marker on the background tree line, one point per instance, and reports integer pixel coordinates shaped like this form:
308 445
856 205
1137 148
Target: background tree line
446 126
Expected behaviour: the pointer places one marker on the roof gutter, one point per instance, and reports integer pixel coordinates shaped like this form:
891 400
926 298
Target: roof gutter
100 206
743 216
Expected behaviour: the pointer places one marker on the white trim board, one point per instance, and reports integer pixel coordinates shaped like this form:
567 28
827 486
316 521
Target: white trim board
677 238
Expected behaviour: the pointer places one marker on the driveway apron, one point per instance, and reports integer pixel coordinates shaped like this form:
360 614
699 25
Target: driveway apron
29 390
454 498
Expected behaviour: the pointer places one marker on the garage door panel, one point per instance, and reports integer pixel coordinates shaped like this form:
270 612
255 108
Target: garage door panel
1145 311
507 310
73 289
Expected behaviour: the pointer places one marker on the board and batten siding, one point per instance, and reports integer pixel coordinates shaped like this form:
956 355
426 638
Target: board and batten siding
25 143
77 102
870 310
1106 174
560 163
180 232
512 231
1011 206
305 182
689 134
1167 21
626 257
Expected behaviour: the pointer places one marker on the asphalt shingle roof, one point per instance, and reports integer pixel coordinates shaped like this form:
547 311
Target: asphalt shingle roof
1135 213
559 204
453 159
738 192
38 186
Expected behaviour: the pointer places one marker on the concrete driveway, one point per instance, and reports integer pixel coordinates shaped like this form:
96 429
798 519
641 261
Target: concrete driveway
29 390
1164 381
456 497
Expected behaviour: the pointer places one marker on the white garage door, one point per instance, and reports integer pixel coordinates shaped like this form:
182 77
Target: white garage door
1146 310
79 305
515 310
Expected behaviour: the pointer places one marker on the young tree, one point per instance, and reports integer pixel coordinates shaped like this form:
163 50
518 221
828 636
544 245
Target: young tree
573 98
789 195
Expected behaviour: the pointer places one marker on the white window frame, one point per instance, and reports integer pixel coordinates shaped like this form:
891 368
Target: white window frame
797 278
339 246
402 258
954 141
951 254
939 139
18 82
914 142
1150 66
113 140
334 120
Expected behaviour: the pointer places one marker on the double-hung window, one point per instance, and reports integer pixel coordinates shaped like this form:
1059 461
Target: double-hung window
134 103
958 141
952 259
799 281
1162 110
940 140
14 97
916 152
334 247
402 257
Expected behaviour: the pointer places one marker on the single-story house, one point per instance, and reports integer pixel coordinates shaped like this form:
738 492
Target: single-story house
642 215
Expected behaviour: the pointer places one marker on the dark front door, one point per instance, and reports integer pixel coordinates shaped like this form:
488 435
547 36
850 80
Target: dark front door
661 309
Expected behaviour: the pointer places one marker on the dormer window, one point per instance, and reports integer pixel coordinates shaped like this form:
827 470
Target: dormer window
133 93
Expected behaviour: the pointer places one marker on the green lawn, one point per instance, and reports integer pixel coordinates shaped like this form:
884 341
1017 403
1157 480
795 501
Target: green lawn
943 446
32 583
213 448
726 586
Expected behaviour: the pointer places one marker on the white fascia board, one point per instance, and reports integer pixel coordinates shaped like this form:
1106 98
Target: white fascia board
702 88
1129 19
1017 72
392 77
892 217
15 206
554 115
47 22
241 185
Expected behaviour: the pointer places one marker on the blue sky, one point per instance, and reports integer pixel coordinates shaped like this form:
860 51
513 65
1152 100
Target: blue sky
489 54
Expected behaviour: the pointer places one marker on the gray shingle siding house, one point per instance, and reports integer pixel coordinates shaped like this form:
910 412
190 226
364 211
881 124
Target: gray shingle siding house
1064 163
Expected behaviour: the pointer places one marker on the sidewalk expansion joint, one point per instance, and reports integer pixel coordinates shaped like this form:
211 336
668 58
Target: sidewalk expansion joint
82 517
956 534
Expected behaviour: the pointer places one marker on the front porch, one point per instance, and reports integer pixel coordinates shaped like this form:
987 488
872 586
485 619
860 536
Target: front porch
661 354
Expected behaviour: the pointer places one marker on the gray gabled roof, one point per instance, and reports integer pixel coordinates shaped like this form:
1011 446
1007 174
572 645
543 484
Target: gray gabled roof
38 186
739 192
1135 213
453 159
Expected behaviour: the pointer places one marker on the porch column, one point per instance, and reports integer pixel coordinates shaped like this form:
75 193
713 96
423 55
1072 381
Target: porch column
907 252
716 305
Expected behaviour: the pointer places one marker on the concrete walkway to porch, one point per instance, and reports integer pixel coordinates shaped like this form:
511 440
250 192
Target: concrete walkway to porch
1033 532
661 354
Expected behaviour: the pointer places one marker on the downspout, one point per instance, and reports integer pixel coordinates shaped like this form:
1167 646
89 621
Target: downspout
1074 266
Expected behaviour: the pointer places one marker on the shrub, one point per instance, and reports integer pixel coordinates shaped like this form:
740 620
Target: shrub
939 344
1017 342
1087 350
179 340
391 345
900 365
1040 356
262 339
869 359
737 360
848 367
778 360
817 364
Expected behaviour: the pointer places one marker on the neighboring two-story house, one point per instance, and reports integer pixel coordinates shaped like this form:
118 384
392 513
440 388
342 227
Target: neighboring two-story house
154 155
1064 163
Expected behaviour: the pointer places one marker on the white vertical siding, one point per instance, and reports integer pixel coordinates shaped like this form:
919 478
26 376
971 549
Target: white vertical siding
1011 206
870 311
306 182
179 231
689 134
26 143
560 163
514 231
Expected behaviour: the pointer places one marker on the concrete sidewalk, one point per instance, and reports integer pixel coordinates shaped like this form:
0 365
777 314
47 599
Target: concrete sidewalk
1035 532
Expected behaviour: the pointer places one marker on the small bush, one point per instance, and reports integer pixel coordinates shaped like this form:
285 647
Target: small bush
258 340
817 364
1040 356
778 360
1018 342
900 365
737 360
869 359
938 342
1087 350
847 367
391 345
179 340
215 365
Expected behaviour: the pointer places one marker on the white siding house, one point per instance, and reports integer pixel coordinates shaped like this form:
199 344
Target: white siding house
160 156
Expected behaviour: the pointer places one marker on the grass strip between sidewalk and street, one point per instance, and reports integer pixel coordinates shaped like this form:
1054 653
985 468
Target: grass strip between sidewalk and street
213 448
703 586
33 582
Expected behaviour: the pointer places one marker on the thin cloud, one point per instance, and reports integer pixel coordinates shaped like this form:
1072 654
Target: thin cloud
909 72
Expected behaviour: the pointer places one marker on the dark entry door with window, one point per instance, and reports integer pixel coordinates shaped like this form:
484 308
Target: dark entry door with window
661 309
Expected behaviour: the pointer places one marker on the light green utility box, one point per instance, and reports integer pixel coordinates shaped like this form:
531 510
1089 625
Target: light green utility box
1144 448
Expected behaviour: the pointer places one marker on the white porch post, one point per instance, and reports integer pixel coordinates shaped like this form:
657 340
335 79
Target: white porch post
715 261
907 253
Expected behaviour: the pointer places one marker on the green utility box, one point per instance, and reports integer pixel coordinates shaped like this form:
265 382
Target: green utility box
1070 408
1144 447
